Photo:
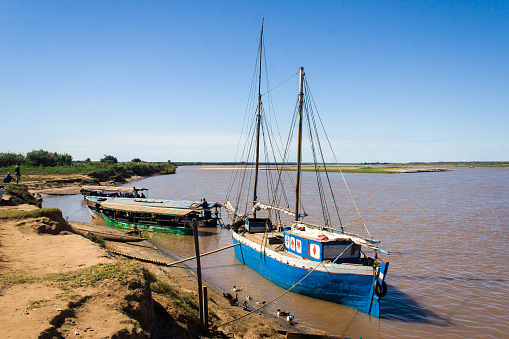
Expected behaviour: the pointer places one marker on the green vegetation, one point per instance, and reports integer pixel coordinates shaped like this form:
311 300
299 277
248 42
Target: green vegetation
99 170
188 308
109 159
356 169
35 158
95 238
45 158
19 191
348 169
11 159
374 164
7 281
122 270
162 287
9 214
463 164
108 168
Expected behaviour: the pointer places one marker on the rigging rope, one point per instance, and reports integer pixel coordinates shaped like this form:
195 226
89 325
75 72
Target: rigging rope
339 168
270 90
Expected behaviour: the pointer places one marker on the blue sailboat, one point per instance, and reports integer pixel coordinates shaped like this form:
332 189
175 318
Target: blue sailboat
320 260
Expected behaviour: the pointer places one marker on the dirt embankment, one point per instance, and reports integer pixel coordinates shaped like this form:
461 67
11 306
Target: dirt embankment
55 283
56 184
66 184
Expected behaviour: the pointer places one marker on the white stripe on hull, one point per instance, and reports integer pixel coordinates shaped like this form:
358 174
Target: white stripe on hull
304 263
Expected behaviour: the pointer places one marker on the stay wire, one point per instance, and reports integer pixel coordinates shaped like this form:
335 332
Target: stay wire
321 192
249 106
308 95
272 89
339 168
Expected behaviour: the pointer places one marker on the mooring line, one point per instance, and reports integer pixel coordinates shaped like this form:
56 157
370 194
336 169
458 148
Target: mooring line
172 263
279 296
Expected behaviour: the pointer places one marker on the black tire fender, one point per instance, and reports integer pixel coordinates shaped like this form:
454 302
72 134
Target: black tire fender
380 289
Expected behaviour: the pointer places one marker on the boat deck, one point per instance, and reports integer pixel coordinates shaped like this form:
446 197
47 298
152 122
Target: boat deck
275 242
272 240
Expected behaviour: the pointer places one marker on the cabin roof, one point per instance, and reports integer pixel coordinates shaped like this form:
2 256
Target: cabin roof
146 209
113 189
181 204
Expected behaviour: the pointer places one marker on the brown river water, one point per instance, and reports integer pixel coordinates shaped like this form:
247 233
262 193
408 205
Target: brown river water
447 232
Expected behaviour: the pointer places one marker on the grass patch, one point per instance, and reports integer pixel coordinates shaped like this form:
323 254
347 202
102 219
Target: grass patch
37 303
89 276
95 238
162 287
6 281
187 306
9 214
20 191
98 170
121 270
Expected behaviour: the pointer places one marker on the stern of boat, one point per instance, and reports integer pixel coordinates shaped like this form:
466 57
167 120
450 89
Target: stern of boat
378 288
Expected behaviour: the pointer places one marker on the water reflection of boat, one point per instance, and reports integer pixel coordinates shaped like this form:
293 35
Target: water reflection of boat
320 261
163 216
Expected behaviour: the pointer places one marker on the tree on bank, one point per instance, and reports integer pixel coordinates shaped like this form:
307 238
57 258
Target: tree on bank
109 159
11 159
36 159
47 159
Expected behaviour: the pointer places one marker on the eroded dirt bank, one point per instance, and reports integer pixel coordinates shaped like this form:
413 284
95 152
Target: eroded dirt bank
55 283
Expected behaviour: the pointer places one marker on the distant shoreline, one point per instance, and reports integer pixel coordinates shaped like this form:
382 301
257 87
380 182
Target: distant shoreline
416 165
379 169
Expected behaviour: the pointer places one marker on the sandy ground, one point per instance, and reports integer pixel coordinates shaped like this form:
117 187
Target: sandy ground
111 308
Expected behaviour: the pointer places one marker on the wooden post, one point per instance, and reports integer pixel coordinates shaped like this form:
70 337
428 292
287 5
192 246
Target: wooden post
205 307
198 268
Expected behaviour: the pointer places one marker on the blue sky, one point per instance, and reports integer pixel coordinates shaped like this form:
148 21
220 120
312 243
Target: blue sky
168 80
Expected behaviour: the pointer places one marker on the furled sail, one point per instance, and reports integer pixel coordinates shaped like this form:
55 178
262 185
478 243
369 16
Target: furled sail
261 206
229 207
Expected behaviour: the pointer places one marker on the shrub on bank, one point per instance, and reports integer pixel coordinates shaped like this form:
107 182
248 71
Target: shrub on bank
11 159
21 192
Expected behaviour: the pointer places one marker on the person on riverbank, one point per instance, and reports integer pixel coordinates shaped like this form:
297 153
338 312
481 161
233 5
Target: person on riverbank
17 170
38 200
8 178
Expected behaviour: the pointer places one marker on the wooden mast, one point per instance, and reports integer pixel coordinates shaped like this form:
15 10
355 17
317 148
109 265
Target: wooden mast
258 123
299 145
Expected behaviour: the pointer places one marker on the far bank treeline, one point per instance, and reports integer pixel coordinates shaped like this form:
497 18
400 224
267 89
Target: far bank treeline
107 168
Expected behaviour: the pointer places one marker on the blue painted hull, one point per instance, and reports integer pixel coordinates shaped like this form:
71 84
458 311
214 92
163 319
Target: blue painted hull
354 288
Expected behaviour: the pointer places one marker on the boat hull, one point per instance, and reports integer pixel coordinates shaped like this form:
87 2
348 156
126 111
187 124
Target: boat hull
94 213
144 227
347 284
